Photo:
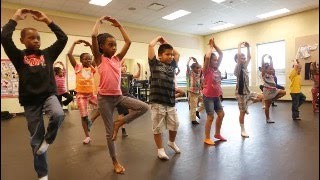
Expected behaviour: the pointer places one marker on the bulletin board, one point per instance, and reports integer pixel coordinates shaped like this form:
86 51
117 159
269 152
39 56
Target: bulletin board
311 40
9 80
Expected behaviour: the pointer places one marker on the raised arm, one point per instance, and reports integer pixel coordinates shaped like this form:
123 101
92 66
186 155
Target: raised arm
208 54
176 54
70 52
246 44
151 53
137 74
219 52
95 46
127 41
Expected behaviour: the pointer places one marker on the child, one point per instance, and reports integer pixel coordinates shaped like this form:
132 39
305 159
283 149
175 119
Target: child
277 86
178 91
60 77
212 91
194 81
315 88
270 91
126 81
37 87
84 87
298 98
110 95
243 94
162 93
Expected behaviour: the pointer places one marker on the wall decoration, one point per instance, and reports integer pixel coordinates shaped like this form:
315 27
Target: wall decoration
9 80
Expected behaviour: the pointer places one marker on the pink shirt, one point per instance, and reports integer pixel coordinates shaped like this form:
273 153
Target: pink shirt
316 81
61 84
212 83
110 76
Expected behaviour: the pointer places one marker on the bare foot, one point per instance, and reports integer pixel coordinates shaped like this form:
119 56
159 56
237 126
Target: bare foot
118 168
116 125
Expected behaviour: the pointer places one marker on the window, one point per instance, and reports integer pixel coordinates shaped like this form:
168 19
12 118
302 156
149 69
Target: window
228 64
277 51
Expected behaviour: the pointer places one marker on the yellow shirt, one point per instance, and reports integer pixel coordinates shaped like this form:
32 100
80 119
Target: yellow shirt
295 78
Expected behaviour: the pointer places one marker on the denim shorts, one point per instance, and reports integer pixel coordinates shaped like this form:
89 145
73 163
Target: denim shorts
212 103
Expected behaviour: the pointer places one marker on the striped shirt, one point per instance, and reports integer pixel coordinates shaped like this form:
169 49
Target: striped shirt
162 88
194 81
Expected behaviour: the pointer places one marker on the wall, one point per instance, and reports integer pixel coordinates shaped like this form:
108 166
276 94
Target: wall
79 27
286 28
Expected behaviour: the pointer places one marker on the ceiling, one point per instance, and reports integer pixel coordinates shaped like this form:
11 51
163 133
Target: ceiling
204 13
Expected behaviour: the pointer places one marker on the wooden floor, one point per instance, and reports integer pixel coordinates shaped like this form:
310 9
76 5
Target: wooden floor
286 149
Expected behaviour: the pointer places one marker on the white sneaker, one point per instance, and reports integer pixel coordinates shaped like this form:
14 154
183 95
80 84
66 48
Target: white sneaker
269 121
162 154
87 140
44 178
174 147
43 147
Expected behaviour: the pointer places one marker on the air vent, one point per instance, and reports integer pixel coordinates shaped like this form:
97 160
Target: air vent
156 6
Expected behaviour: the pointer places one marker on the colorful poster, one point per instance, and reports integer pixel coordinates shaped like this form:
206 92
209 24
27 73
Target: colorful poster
9 80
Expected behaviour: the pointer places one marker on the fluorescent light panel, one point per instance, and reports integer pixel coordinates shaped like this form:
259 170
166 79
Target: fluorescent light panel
100 2
223 26
176 15
273 13
218 1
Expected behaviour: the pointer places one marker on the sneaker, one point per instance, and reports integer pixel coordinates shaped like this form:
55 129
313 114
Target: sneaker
198 114
174 147
209 142
87 140
194 122
274 105
43 147
162 154
269 121
297 119
244 134
44 178
124 132
89 123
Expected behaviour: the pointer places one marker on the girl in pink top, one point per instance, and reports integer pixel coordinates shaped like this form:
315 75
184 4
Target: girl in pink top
212 91
104 47
84 88
60 76
315 88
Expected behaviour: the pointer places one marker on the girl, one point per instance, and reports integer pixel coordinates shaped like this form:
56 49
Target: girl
270 91
212 91
104 47
84 87
60 77
315 89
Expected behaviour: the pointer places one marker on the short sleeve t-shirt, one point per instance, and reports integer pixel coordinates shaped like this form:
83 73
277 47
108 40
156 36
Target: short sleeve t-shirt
212 83
162 87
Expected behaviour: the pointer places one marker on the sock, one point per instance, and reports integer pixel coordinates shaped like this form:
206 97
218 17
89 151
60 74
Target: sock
243 131
162 154
43 148
174 147
44 178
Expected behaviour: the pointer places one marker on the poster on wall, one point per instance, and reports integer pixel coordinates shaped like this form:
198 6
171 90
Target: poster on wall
307 51
9 80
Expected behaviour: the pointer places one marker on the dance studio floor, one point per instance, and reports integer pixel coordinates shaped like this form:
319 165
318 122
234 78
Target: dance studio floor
286 149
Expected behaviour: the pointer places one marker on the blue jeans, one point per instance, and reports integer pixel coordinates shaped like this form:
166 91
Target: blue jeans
297 100
34 116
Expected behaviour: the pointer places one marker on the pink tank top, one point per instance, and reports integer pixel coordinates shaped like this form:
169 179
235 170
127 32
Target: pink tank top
212 83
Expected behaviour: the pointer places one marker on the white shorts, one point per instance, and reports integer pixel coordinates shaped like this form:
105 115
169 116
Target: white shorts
163 117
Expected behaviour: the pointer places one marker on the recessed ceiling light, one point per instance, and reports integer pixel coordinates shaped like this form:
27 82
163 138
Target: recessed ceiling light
273 13
156 6
223 26
131 8
218 1
176 15
100 2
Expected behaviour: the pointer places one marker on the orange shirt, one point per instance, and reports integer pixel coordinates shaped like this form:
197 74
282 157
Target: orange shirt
84 79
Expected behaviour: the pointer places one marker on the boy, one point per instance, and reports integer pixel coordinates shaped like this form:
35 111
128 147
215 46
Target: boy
295 87
37 87
162 93
243 94
194 81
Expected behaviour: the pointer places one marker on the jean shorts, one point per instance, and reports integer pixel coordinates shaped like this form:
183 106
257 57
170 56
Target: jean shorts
212 104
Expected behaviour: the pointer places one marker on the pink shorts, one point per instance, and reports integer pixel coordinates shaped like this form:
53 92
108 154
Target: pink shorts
83 99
